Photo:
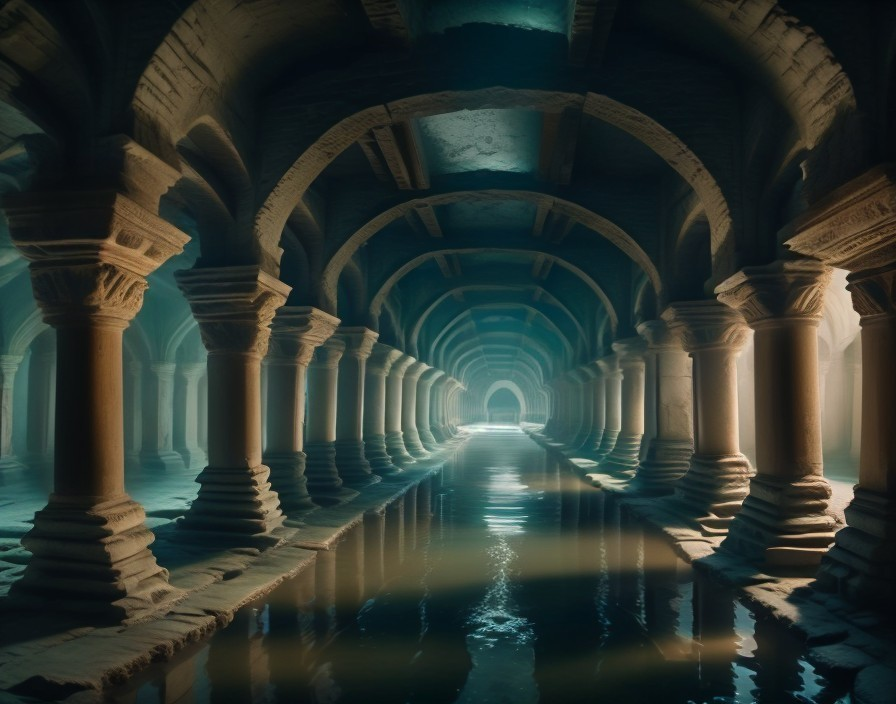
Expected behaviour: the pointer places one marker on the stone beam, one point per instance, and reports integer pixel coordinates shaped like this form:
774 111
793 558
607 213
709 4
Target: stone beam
387 20
559 136
398 149
589 29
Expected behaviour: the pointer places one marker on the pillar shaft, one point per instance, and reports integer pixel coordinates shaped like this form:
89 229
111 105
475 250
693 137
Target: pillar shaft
626 453
90 254
784 520
41 401
409 430
186 433
717 479
584 407
157 452
295 333
234 307
612 375
424 408
9 365
598 394
353 466
394 401
438 424
378 366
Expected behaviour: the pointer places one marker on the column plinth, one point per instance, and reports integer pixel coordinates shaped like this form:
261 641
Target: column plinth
424 403
394 399
234 307
324 483
717 479
354 468
90 254
853 229
378 366
669 452
612 375
784 520
409 432
295 333
626 453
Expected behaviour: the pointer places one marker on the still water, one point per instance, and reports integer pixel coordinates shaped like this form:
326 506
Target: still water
497 585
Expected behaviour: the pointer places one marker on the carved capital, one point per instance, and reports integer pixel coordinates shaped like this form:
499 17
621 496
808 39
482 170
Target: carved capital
707 325
327 355
873 292
609 365
415 370
400 365
297 331
381 359
854 227
358 341
9 365
90 252
659 335
234 307
630 351
163 371
431 375
792 290
191 371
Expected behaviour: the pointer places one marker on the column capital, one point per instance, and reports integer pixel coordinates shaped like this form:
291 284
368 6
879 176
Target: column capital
163 370
381 359
431 375
298 330
659 335
415 370
234 306
629 351
90 253
873 293
707 325
9 365
792 290
400 365
609 365
358 341
854 227
191 370
327 355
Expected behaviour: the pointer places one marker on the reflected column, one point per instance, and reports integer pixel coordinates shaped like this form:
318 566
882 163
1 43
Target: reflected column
296 332
394 400
424 401
784 520
409 409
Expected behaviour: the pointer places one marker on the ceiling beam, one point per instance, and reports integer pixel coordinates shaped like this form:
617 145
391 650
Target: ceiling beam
589 30
443 266
387 20
399 150
541 215
559 137
427 215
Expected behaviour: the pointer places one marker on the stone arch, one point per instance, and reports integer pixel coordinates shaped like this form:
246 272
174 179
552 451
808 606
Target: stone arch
510 386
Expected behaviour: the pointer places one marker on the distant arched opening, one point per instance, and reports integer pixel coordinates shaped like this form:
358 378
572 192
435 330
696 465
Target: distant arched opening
503 406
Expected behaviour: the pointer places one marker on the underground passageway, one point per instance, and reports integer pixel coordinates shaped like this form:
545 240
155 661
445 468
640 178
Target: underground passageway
272 273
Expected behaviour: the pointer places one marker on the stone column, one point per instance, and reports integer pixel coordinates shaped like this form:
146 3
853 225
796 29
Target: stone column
186 433
409 410
717 479
324 483
90 254
669 452
451 402
438 424
394 399
598 393
424 407
9 365
295 333
353 466
626 453
378 366
234 307
612 375
157 452
41 401
784 520
584 407
853 229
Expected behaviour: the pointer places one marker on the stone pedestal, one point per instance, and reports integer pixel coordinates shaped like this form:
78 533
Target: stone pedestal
295 333
626 453
717 479
424 407
9 365
612 375
186 432
378 366
669 452
784 520
353 466
324 483
853 229
409 432
394 401
234 307
157 452
90 254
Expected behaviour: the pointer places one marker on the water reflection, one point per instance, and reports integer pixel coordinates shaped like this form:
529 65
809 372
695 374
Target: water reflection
507 580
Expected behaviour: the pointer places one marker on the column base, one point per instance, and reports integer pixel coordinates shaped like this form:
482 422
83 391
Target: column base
378 457
592 443
783 523
92 558
193 457
440 434
162 461
353 466
11 463
667 461
625 457
607 443
396 449
289 481
413 444
234 501
324 482
428 439
713 490
861 566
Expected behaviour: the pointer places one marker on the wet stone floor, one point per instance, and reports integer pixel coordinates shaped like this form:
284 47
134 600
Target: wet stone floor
510 592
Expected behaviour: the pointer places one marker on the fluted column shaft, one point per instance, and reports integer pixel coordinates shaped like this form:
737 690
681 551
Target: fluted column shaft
394 412
717 479
612 375
9 365
90 254
784 520
350 458
378 366
669 452
296 332
409 410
